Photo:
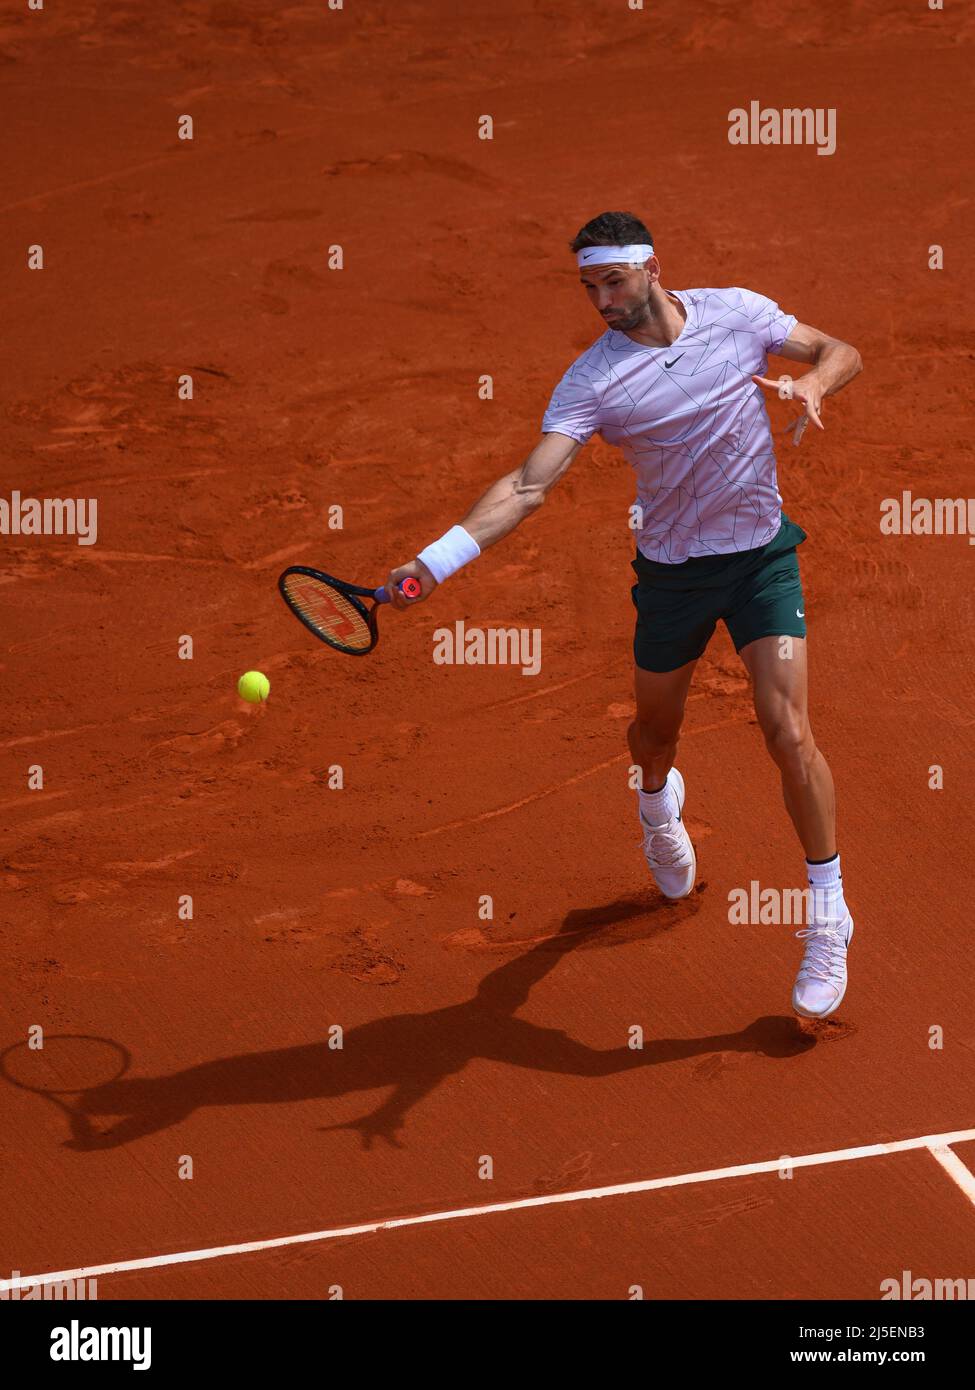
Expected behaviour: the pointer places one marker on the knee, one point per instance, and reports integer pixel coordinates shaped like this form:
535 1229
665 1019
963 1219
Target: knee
790 742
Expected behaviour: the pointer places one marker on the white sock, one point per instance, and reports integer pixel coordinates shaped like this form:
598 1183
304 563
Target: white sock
657 808
826 882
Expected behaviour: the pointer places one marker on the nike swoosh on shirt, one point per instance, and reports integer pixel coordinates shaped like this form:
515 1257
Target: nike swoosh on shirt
800 615
676 359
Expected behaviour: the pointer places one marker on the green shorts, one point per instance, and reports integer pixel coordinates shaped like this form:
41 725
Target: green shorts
756 593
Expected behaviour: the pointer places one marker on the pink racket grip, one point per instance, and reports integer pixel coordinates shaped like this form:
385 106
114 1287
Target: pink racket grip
409 588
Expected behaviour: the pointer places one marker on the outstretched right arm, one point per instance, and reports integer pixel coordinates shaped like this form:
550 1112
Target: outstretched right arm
505 504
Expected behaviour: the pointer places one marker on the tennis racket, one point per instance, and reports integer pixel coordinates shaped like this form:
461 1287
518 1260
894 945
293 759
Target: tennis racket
334 610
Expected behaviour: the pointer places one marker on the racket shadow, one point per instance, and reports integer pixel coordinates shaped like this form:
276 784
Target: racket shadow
414 1053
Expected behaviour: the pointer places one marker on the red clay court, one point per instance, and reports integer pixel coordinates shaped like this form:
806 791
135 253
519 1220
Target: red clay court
316 908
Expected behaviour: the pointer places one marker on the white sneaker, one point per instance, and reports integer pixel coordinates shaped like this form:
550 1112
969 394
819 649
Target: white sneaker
668 849
821 982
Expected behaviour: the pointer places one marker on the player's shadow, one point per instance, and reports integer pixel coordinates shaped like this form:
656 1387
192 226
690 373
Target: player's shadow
414 1052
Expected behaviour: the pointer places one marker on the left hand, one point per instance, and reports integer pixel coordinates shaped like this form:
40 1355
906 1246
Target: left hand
807 390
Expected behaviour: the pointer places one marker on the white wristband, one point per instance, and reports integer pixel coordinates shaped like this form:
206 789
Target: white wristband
445 556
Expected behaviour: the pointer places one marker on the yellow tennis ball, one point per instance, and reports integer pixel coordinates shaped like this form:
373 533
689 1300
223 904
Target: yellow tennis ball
254 686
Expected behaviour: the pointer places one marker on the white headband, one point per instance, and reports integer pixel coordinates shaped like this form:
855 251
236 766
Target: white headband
614 255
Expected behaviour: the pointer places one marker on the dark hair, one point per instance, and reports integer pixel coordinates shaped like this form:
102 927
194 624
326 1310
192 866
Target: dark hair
611 229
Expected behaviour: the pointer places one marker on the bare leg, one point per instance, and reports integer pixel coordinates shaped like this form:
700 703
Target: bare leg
777 666
653 735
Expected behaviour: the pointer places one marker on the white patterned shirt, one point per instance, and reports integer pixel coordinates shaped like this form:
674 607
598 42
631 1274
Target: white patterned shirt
690 420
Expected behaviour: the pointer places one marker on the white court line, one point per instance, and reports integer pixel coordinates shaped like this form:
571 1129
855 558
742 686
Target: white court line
955 1169
937 1143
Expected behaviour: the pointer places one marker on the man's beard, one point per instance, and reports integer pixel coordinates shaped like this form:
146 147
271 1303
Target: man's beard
631 318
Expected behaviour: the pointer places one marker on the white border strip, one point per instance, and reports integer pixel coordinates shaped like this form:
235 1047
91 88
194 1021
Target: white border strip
936 1143
955 1169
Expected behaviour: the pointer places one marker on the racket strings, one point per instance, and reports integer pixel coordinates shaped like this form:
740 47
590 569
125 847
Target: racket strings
328 611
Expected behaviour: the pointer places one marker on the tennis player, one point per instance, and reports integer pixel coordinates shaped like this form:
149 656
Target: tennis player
675 381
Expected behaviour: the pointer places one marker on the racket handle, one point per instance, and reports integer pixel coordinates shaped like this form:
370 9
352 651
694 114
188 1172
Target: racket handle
410 588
